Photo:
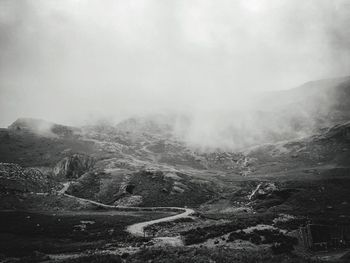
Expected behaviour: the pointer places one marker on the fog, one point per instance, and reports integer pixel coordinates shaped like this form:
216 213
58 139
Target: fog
76 62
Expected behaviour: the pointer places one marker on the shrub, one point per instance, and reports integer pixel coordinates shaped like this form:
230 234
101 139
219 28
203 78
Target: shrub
252 237
95 259
281 243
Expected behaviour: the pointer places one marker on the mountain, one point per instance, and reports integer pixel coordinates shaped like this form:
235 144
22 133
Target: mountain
263 173
25 144
321 95
271 117
329 149
168 141
313 105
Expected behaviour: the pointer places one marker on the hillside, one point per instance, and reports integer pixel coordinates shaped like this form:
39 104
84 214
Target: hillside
329 148
30 149
103 157
76 182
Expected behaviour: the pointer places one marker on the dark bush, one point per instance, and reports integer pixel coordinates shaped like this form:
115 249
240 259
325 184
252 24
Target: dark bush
252 237
200 255
275 236
291 224
198 235
281 243
95 259
281 248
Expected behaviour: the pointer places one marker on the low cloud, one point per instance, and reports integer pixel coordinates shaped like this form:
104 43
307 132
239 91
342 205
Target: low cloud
74 62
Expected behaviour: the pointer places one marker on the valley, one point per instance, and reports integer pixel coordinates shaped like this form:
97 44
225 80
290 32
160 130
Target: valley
138 192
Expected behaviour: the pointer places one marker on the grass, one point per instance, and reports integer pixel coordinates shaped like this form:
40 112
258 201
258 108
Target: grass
95 259
154 187
30 150
21 232
156 190
281 243
195 255
201 234
220 255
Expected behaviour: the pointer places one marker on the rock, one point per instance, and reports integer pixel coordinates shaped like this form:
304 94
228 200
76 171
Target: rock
15 178
74 166
263 189
177 189
131 200
128 188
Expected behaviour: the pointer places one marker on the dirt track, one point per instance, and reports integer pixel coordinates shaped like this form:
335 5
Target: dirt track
138 228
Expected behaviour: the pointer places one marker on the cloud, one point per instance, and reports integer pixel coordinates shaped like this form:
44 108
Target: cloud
72 61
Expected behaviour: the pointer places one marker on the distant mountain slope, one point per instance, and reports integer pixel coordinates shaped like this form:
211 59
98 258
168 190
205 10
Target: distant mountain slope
30 149
153 142
44 128
314 104
329 149
274 116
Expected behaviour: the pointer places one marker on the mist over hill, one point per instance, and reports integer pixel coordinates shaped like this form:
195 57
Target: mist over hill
269 117
80 62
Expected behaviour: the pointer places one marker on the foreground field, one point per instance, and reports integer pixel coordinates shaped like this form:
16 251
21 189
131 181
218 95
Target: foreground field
22 232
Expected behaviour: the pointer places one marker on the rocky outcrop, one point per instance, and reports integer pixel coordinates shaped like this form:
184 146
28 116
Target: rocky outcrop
236 162
74 166
130 200
44 128
337 132
262 190
125 194
14 178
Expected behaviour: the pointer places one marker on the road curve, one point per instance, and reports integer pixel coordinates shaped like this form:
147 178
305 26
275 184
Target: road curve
138 228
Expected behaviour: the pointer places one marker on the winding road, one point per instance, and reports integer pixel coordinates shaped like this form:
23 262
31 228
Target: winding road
138 228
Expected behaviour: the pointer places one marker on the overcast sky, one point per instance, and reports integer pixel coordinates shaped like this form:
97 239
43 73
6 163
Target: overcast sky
72 61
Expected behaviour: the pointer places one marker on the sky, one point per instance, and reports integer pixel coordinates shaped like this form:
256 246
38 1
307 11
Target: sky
78 61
